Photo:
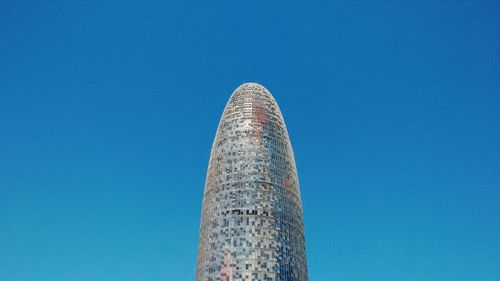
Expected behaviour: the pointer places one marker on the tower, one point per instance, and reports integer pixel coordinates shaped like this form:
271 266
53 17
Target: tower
251 223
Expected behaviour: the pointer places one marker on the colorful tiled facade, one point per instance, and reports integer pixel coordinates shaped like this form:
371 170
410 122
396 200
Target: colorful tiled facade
251 225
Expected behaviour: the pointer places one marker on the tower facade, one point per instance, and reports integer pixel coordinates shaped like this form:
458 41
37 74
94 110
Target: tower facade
251 223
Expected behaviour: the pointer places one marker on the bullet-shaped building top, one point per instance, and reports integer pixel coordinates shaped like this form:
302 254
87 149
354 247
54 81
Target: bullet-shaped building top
251 225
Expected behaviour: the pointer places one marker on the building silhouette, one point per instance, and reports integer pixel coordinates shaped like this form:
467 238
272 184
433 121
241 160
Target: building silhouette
251 225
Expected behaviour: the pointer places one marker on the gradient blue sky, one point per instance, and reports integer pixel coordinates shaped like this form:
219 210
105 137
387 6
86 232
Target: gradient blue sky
108 111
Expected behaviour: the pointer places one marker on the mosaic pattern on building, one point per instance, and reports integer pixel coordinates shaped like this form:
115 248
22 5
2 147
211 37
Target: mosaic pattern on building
251 226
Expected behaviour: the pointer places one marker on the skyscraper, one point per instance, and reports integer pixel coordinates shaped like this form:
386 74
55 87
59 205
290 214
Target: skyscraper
251 224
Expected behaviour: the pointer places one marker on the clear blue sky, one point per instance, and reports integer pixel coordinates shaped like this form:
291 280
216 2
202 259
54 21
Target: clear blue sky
108 111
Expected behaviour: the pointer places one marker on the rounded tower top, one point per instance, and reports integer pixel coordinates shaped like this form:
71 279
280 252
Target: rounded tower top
252 88
252 84
252 129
